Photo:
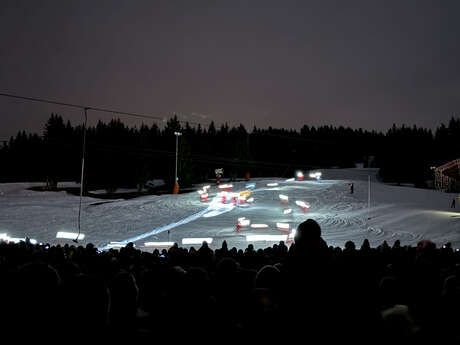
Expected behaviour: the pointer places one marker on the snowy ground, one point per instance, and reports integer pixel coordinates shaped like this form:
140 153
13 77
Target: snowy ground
396 212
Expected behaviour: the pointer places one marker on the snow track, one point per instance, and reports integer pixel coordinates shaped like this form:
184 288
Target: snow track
403 213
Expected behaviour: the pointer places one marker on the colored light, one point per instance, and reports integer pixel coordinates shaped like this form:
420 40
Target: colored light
302 204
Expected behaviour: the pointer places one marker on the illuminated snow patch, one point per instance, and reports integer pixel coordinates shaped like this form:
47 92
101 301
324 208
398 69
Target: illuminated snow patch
114 244
16 239
259 226
290 180
250 200
283 226
225 186
70 235
287 211
272 184
196 240
243 221
218 210
158 244
255 238
302 204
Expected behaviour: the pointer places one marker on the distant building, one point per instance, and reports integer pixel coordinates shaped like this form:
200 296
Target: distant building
447 176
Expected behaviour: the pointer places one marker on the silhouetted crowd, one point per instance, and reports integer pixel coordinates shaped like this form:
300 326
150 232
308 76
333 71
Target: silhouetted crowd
308 291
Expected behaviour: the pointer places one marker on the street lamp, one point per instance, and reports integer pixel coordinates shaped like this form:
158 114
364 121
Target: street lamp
176 184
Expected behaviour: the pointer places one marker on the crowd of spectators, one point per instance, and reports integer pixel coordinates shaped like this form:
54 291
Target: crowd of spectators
305 291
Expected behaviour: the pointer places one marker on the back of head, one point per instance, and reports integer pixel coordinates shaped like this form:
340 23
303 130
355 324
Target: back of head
91 302
268 277
308 244
308 229
124 294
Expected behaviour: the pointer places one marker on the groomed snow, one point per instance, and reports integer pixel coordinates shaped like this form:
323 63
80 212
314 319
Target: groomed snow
397 212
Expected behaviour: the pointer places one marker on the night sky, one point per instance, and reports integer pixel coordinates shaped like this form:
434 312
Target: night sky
363 63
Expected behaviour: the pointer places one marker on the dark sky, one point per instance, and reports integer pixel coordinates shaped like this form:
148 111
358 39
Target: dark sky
362 63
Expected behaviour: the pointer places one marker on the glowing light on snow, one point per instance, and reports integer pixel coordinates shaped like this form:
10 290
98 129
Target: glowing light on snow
255 238
250 200
290 180
283 226
284 198
246 193
206 187
250 186
299 176
114 244
16 239
316 175
259 226
288 211
197 240
158 244
272 184
225 186
6 238
70 235
302 204
243 222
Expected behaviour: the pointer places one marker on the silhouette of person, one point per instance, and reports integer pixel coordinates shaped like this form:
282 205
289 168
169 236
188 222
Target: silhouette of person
351 188
452 205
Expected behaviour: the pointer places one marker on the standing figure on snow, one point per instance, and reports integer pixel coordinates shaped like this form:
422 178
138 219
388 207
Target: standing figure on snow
452 205
351 188
219 173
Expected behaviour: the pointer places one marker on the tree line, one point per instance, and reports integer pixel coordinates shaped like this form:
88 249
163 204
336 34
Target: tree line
121 156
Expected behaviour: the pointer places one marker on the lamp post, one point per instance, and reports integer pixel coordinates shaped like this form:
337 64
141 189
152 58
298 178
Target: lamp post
176 184
82 172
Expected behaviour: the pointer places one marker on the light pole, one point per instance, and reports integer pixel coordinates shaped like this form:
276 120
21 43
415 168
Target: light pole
82 172
176 184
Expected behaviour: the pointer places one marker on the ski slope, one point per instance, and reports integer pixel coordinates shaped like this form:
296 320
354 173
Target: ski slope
396 212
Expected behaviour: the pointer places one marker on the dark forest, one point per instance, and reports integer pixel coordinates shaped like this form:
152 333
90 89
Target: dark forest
121 156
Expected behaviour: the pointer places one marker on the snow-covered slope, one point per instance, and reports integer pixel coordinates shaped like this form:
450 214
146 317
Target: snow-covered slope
395 212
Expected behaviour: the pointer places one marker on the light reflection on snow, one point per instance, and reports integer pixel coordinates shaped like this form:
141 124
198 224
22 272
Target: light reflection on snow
256 238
